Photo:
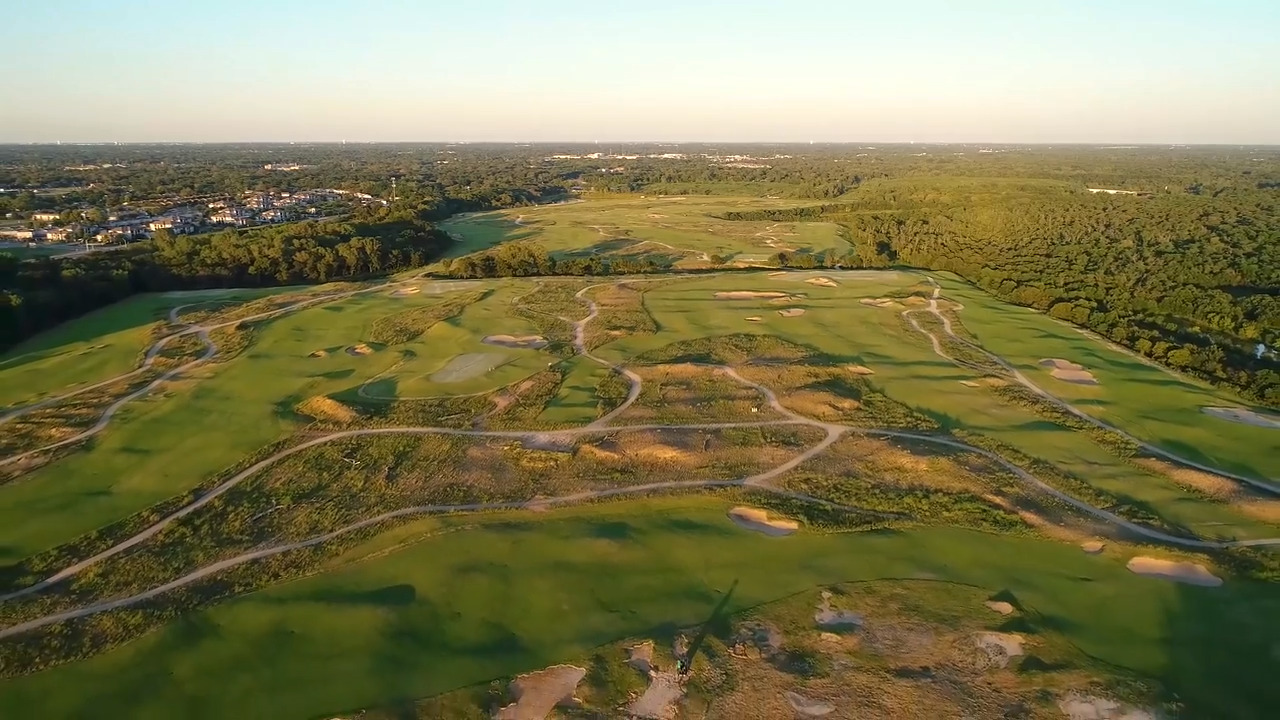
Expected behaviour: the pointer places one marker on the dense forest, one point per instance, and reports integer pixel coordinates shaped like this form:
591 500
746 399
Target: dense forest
1186 271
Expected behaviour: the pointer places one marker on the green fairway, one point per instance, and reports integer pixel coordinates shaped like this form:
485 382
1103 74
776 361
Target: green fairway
1148 401
440 614
683 231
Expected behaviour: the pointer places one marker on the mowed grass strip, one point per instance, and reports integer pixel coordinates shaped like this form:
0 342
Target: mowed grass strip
439 614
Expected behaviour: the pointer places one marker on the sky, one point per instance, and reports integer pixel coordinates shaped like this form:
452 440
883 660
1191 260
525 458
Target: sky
1022 71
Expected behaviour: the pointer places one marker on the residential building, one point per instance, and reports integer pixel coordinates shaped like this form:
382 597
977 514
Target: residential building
275 215
43 216
236 216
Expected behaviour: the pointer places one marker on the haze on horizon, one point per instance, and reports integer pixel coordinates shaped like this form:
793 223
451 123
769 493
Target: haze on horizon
1180 71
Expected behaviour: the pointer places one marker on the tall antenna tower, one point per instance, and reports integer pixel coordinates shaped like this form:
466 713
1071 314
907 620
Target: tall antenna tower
393 188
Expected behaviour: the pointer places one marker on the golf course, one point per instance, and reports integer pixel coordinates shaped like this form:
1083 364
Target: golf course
722 487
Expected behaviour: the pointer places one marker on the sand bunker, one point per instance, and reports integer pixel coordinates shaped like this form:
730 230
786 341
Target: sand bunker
791 312
527 342
319 354
860 370
808 707
999 647
970 383
659 700
1245 416
754 318
750 295
358 350
888 303
830 618
406 291
1001 607
640 656
823 282
538 693
1067 371
1183 572
1093 547
465 367
758 520
778 273
1077 706
326 408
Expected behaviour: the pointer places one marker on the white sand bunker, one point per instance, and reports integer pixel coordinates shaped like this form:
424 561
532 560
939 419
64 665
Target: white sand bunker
1093 547
1183 572
1244 415
749 295
759 520
406 291
1000 606
889 303
465 367
318 354
1077 706
830 618
754 318
823 282
640 657
524 342
860 370
358 350
970 383
999 647
1067 371
791 312
659 699
538 693
807 706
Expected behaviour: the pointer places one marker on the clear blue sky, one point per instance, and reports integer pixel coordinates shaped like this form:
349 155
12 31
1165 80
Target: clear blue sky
1119 71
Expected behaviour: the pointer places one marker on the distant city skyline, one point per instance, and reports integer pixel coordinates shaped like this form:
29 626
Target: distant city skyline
1000 72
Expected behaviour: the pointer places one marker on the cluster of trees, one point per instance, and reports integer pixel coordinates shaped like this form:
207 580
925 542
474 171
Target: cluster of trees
1189 280
38 294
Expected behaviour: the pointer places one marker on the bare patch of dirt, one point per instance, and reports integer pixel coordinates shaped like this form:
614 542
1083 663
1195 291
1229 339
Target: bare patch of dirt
750 295
791 312
808 707
823 282
1182 572
1093 547
1254 505
538 693
1244 416
359 350
755 640
1067 371
523 342
321 407
759 521
319 354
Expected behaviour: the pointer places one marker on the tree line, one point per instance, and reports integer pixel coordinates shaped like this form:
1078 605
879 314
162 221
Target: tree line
39 294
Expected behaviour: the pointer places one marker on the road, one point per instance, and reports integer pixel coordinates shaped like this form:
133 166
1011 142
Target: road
760 481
